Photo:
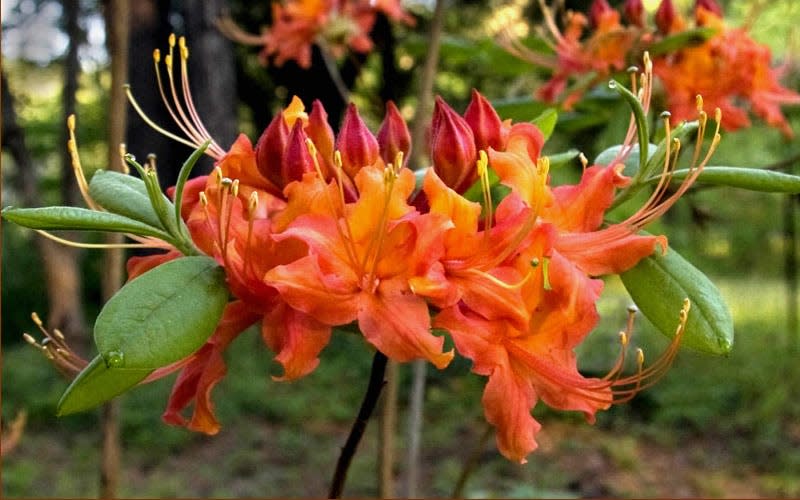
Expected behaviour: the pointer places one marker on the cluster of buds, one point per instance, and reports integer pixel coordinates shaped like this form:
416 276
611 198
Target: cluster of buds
724 65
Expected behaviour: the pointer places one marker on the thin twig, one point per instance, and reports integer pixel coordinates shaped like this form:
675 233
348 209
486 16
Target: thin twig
376 382
471 463
333 71
388 424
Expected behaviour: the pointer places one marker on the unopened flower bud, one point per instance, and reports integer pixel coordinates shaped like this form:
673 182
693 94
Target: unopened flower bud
320 131
393 136
485 123
296 160
634 12
452 148
356 143
598 10
709 5
270 149
665 17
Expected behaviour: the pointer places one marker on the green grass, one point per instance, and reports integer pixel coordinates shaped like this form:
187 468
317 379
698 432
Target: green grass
276 434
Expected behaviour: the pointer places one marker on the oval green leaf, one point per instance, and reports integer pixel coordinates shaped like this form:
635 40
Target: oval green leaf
82 219
753 179
680 40
659 284
125 195
96 384
163 315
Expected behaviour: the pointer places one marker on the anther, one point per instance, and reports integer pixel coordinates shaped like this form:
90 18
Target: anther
640 357
58 334
312 148
252 203
717 115
535 262
71 123
157 56
699 102
36 319
623 339
171 40
29 339
226 182
632 69
584 161
665 115
235 188
633 309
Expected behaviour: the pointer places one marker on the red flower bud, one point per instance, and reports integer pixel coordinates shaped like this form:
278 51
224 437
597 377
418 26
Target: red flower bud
597 11
709 5
485 123
320 131
634 12
665 17
452 148
356 143
297 159
393 136
270 150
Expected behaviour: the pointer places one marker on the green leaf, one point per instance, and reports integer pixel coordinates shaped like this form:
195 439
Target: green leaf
546 121
520 108
559 159
96 384
163 315
82 219
677 41
124 195
754 179
659 284
631 161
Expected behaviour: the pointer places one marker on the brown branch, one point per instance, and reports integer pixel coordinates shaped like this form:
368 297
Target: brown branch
376 382
471 463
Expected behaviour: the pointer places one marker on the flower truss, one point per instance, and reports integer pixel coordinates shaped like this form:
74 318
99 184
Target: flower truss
335 25
310 231
724 65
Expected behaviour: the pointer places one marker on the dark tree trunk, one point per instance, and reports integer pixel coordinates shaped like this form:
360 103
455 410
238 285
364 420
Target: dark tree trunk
212 69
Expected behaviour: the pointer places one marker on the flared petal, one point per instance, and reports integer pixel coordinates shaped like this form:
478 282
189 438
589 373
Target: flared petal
139 265
296 338
581 207
207 367
397 323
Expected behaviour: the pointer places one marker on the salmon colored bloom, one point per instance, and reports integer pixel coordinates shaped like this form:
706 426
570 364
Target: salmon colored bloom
335 25
729 69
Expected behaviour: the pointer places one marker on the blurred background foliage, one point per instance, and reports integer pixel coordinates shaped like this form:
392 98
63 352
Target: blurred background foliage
714 427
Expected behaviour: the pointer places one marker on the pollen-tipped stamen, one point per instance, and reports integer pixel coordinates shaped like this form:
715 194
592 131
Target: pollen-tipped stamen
54 347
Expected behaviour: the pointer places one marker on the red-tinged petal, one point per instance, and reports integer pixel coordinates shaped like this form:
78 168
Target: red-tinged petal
485 123
137 266
598 10
581 207
507 403
435 286
207 367
321 293
393 136
240 163
452 148
270 149
296 338
612 250
668 20
475 337
358 146
397 323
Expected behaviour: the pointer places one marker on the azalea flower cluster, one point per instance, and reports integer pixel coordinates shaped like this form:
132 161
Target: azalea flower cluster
334 25
727 67
317 230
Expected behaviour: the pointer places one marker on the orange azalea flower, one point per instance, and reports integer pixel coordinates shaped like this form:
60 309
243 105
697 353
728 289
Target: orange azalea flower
336 25
607 49
727 69
361 256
